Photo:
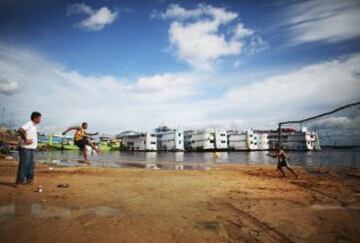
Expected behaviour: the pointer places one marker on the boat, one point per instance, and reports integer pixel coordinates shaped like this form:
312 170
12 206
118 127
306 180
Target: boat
61 142
108 144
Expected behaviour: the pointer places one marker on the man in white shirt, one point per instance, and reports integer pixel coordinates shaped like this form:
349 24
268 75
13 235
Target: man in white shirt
27 148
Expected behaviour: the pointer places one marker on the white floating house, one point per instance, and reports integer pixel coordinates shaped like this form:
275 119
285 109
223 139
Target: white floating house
205 140
252 140
237 140
169 139
248 140
220 140
138 141
198 140
295 140
263 141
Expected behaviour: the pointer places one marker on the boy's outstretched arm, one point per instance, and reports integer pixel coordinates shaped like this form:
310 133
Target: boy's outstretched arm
71 128
91 134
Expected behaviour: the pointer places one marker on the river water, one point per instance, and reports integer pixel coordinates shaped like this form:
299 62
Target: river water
328 157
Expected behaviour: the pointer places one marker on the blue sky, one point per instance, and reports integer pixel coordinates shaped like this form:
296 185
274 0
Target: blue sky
136 64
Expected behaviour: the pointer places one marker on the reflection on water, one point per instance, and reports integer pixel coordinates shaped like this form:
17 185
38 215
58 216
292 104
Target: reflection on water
37 210
330 157
104 211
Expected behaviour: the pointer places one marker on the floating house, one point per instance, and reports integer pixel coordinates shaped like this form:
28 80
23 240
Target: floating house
144 141
248 140
169 139
205 140
292 139
221 142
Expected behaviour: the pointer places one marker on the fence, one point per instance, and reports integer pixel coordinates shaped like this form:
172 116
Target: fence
338 134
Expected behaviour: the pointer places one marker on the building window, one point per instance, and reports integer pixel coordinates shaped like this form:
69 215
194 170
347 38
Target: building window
179 134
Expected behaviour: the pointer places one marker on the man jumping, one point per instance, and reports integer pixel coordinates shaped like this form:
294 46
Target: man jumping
283 162
81 139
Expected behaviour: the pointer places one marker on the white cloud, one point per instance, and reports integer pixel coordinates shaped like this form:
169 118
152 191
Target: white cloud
176 11
67 97
8 87
111 104
295 94
325 21
241 31
196 37
96 20
79 8
237 63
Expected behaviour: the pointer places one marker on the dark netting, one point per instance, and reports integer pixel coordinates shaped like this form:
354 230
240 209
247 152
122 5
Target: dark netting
332 143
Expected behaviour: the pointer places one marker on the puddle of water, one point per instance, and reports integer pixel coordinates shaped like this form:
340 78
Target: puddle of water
37 210
333 207
104 211
151 165
165 166
41 211
7 209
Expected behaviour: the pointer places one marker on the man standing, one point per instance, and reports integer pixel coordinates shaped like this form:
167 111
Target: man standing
81 139
27 147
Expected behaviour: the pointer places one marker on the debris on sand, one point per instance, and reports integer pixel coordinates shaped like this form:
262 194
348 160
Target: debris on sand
63 185
40 188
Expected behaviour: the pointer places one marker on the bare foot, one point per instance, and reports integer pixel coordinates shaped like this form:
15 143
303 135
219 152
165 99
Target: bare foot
84 162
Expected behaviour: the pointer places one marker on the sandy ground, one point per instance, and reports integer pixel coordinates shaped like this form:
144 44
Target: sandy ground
230 203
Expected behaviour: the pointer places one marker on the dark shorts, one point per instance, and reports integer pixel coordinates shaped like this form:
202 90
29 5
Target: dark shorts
82 143
283 163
